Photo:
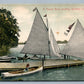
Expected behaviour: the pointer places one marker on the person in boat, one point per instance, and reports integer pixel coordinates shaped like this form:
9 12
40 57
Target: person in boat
27 68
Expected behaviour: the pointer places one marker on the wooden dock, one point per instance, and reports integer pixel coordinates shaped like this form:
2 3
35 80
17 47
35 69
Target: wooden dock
62 63
47 64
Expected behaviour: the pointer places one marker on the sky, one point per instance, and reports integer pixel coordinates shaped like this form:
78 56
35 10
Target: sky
60 16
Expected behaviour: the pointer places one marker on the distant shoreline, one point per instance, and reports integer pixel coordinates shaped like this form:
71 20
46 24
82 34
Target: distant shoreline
21 43
59 42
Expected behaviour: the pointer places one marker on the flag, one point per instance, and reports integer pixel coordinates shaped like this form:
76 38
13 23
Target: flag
45 15
68 30
71 26
57 32
34 9
65 33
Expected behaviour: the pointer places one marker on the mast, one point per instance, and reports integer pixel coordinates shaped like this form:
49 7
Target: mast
53 46
48 33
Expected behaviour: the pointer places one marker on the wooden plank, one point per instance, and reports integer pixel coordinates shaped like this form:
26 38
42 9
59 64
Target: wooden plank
63 63
14 66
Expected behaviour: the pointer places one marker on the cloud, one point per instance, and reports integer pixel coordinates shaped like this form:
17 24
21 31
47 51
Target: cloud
58 20
25 19
22 14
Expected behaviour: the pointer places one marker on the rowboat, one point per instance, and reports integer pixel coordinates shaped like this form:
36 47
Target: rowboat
21 72
5 61
6 58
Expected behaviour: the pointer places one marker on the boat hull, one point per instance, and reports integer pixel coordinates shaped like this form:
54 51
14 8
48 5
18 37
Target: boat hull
5 61
22 58
8 74
6 58
35 58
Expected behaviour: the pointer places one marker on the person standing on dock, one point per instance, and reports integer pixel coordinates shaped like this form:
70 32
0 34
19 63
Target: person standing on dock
35 55
25 56
64 56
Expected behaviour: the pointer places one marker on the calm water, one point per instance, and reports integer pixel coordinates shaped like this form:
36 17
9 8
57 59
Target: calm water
61 74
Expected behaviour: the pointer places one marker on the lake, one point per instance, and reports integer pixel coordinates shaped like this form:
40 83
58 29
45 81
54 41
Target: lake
75 73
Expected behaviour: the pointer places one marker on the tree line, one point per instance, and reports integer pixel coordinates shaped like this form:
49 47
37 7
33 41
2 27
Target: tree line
60 42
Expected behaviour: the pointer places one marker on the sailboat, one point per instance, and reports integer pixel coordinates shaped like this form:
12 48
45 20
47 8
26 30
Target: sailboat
38 43
54 48
75 47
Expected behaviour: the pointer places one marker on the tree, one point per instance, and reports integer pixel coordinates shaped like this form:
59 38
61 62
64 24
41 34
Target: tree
9 30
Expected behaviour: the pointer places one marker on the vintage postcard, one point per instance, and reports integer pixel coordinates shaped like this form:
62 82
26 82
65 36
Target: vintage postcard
41 42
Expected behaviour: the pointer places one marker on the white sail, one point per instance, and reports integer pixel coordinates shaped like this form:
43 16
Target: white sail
75 46
54 48
37 42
